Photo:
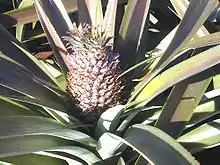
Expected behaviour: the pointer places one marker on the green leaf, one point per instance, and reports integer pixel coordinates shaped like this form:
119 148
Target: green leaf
62 81
161 48
90 12
53 38
17 146
57 14
13 3
125 123
180 7
186 95
121 161
79 152
11 108
23 125
131 29
108 146
34 24
180 105
15 126
211 94
58 116
35 159
109 19
216 81
147 61
193 65
13 49
205 136
204 111
137 115
42 35
195 16
109 120
28 144
20 28
28 87
208 40
156 146
28 14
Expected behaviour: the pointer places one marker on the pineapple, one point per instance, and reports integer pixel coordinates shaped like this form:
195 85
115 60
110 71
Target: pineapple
94 74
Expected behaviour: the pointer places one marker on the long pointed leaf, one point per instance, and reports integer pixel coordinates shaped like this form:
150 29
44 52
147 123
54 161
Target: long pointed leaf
35 159
10 47
180 104
28 86
14 126
20 28
195 16
204 111
11 108
202 137
109 120
54 40
186 95
28 14
79 152
131 29
156 146
57 15
90 12
180 7
192 66
27 144
110 17
208 40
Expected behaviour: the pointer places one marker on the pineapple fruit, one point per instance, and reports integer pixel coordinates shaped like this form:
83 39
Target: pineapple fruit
94 73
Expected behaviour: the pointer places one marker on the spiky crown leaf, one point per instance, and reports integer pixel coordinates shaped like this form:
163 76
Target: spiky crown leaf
87 37
93 78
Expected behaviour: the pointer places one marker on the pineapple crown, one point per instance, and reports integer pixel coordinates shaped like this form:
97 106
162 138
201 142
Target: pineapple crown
87 37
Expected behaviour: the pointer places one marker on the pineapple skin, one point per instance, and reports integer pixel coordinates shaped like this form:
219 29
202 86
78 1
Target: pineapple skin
94 80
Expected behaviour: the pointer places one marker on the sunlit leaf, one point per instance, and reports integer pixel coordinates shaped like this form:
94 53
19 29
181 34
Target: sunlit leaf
192 67
11 108
109 120
110 17
105 150
10 47
28 87
147 141
54 40
181 102
20 28
131 29
180 7
90 12
35 159
195 16
203 112
57 14
202 137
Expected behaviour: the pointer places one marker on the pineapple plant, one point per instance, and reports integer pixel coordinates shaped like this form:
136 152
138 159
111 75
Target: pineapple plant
173 103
